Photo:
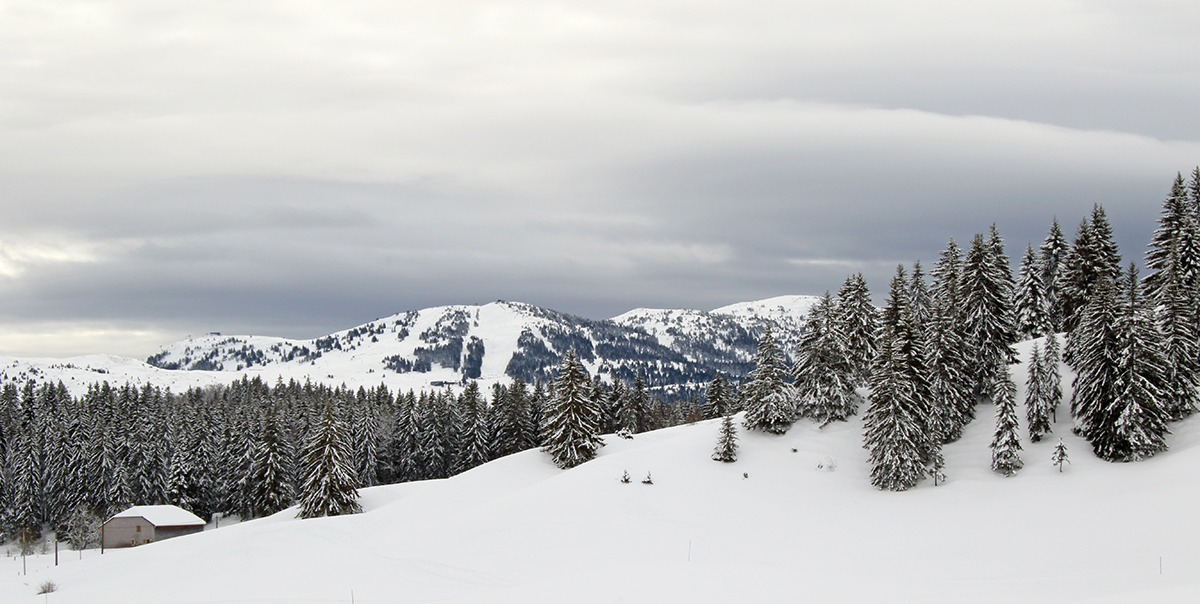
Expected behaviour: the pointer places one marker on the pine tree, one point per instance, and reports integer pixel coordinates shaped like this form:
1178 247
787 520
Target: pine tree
726 450
1180 330
1093 258
513 403
824 377
1134 425
1059 457
271 469
1053 251
474 430
950 379
920 300
1005 443
717 397
634 414
892 424
769 400
1175 248
1053 375
1033 318
858 321
571 431
1037 397
1094 349
329 487
988 313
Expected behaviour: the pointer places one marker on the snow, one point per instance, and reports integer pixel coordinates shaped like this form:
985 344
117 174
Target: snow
520 530
360 360
162 515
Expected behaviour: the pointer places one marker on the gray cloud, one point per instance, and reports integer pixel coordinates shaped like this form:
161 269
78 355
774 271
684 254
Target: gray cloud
294 169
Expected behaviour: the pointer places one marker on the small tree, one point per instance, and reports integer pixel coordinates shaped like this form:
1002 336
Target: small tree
726 450
83 528
1060 455
1037 397
1005 443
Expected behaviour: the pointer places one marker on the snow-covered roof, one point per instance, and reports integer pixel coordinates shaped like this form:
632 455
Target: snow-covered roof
162 515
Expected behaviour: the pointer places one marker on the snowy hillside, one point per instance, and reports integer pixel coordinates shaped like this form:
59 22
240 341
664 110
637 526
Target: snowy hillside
443 345
780 524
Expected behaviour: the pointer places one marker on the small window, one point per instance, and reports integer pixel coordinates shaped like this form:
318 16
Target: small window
139 528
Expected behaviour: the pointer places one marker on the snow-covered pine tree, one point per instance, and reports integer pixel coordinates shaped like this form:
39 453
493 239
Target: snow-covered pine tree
365 429
1095 351
950 380
1134 424
572 424
474 432
511 418
1033 318
1175 247
726 441
1051 358
920 300
717 398
402 451
1006 444
769 400
271 471
893 430
1037 397
1177 322
989 328
1059 457
1093 257
1052 253
634 414
858 321
329 485
824 376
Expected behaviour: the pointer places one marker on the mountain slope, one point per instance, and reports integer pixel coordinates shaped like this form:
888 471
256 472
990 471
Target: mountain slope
501 340
770 527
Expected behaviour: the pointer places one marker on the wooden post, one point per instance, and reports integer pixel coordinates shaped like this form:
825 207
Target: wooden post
56 549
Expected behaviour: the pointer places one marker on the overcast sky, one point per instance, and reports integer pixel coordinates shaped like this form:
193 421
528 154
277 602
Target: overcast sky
295 168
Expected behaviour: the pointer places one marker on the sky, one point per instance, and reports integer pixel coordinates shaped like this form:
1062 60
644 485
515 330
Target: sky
296 168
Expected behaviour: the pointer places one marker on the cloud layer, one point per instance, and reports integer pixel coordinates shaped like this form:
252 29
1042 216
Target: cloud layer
296 168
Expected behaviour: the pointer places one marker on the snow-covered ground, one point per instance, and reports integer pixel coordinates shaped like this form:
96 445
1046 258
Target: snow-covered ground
773 527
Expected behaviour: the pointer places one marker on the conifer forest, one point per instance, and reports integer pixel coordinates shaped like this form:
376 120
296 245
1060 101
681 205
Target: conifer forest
918 368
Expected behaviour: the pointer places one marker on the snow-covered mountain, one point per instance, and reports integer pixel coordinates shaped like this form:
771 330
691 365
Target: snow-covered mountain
447 344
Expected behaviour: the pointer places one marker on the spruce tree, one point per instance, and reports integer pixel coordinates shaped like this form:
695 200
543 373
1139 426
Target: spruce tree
1059 457
1175 247
474 430
1006 444
1053 252
858 321
893 431
1033 318
271 472
989 327
1051 358
1094 348
572 424
1037 397
824 376
329 486
1134 424
1180 330
726 449
950 378
717 397
769 400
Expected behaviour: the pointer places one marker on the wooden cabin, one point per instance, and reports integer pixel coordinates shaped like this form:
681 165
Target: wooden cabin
143 524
